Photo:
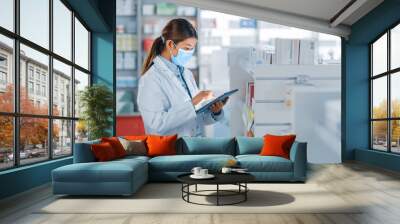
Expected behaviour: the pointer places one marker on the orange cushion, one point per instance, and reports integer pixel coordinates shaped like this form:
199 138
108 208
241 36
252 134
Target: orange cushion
161 145
135 137
275 145
116 145
103 152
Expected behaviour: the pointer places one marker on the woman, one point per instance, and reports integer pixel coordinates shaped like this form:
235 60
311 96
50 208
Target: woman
168 92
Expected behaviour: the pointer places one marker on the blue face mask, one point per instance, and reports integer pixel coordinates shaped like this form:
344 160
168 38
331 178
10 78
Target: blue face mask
182 57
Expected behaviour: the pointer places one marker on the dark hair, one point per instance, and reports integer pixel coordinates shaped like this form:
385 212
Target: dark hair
176 30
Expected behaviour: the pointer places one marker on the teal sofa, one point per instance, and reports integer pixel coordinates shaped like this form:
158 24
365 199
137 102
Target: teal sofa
125 176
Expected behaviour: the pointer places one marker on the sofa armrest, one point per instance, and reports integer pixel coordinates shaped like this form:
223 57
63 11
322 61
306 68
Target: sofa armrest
83 152
298 155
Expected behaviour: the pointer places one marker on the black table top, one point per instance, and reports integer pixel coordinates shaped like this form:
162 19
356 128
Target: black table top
220 178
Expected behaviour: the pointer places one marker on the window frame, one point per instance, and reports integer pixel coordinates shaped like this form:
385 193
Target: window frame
16 114
388 74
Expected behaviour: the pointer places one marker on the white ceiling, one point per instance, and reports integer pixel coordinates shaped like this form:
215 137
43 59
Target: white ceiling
315 15
321 9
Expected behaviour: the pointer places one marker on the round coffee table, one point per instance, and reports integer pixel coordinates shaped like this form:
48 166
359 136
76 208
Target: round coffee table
238 179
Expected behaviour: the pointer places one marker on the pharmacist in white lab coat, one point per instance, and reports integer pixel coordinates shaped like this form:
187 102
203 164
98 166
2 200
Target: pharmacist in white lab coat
168 92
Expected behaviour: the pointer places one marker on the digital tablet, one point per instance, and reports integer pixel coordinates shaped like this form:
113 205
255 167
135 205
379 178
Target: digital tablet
204 106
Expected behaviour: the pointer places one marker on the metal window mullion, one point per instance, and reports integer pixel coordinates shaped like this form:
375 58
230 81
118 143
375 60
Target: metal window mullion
389 101
50 81
383 119
380 75
371 133
73 82
53 117
385 73
89 51
16 85
114 78
84 70
7 33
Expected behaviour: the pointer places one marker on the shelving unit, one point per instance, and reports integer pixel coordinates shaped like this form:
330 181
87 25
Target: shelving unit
127 62
134 18
155 15
139 22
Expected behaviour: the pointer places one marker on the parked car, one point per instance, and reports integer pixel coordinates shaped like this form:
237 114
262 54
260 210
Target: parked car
37 153
10 156
25 154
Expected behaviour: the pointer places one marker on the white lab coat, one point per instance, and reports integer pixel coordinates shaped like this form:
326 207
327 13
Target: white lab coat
165 105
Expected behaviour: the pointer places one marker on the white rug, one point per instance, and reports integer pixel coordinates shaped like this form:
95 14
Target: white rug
166 198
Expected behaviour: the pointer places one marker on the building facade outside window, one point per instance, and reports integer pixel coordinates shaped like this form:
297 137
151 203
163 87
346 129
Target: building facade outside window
3 78
3 72
31 73
3 60
30 87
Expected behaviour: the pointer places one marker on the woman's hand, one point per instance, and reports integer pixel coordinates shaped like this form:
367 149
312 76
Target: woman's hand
202 95
217 107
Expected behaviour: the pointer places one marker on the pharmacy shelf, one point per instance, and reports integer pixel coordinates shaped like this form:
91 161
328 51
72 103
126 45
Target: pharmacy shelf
128 34
156 24
132 23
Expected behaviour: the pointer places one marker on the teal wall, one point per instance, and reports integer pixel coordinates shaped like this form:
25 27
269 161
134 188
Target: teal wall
24 178
381 159
103 64
103 52
99 16
102 58
356 73
95 13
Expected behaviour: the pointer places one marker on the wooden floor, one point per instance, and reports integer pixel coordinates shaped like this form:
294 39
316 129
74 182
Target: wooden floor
378 188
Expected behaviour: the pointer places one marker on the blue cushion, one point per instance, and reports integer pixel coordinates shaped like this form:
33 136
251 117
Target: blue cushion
118 177
185 163
249 145
257 163
83 153
201 145
298 154
111 171
133 158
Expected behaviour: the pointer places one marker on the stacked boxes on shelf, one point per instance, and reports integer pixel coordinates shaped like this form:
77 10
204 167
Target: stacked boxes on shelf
127 56
127 43
155 16
289 52
126 51
294 52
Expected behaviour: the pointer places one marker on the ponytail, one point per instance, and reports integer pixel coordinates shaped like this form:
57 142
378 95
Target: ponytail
156 49
176 30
